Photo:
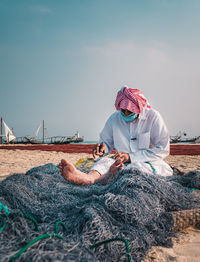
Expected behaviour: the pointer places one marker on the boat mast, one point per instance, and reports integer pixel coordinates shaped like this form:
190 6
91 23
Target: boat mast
1 134
43 131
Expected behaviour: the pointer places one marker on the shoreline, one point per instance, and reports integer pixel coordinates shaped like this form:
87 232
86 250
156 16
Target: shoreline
175 149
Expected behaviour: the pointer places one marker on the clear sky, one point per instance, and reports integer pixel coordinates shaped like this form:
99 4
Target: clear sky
64 61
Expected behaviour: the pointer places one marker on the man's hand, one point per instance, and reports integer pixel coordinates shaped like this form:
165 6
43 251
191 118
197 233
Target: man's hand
98 150
124 157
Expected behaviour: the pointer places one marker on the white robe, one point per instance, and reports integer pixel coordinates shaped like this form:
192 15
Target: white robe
145 139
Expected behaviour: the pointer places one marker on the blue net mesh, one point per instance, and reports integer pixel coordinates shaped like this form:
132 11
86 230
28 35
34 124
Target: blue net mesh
135 206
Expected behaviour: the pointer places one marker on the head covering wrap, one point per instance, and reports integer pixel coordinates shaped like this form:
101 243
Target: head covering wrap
131 99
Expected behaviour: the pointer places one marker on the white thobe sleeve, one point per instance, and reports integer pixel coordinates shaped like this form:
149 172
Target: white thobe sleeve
106 136
159 139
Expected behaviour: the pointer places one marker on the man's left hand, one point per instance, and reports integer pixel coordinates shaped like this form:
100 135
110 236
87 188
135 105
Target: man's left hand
124 157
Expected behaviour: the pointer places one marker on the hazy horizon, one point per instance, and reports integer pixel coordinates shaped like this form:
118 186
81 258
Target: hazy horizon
64 61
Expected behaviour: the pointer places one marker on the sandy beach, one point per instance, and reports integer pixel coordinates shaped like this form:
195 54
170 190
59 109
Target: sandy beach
186 245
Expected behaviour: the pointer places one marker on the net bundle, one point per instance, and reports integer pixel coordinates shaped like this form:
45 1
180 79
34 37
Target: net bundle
52 219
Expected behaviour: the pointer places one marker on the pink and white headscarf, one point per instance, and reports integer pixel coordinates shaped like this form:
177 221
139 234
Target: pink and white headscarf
131 99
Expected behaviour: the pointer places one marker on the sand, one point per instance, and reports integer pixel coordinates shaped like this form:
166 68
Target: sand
20 161
187 244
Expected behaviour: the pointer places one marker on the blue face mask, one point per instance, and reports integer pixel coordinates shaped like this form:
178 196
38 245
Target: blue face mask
129 118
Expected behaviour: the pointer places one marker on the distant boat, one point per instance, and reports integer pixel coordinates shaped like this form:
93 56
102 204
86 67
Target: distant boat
10 138
65 139
190 140
29 139
174 139
76 138
58 140
179 138
33 139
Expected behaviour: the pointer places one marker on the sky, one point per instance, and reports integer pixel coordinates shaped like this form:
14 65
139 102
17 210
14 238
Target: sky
64 61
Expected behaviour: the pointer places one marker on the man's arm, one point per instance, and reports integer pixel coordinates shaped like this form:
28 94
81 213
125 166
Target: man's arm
106 136
98 150
159 137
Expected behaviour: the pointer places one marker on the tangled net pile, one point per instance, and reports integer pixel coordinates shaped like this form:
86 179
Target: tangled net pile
134 206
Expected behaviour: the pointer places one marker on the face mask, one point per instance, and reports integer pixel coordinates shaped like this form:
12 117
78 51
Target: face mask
129 118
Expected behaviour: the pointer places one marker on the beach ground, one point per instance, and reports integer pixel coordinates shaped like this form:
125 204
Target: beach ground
186 244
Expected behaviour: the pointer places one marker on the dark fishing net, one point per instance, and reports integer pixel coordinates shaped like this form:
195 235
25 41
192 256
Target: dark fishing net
134 206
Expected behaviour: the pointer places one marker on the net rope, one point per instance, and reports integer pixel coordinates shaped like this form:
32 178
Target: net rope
134 206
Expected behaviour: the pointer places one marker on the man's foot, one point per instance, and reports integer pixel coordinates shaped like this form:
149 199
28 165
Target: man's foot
116 167
70 173
113 170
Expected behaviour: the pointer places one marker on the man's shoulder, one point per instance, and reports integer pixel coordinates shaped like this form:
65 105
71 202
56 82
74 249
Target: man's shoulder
114 115
153 114
113 118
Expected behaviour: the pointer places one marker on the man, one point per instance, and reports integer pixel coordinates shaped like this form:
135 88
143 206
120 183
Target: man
139 136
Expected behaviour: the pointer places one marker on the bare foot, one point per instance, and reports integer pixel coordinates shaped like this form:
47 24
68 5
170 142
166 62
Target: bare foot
116 166
113 170
70 173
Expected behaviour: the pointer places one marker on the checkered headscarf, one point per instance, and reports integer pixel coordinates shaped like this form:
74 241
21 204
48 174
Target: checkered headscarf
131 99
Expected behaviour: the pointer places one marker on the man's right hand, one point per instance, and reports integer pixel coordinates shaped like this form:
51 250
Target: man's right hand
98 150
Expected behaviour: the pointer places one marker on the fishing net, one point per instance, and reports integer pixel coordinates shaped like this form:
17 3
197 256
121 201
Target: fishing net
46 218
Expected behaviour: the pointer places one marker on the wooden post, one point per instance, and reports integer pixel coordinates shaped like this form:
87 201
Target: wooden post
1 134
43 133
